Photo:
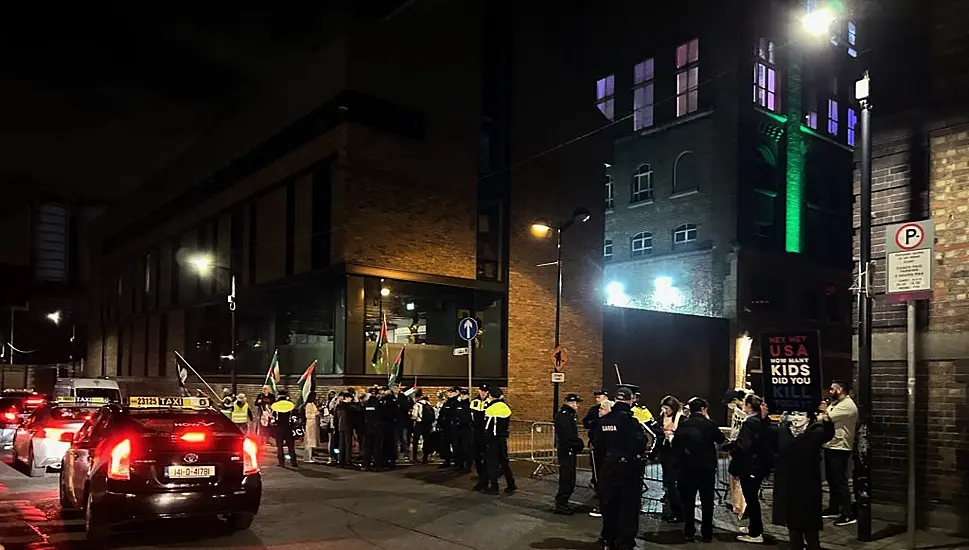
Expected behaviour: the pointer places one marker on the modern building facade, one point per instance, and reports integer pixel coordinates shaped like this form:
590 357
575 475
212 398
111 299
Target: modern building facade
392 181
729 191
920 170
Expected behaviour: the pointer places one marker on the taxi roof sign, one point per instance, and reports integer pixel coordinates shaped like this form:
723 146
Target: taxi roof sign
71 400
168 402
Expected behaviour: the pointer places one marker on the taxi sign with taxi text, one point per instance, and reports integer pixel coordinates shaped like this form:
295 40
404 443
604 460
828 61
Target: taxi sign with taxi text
166 402
71 400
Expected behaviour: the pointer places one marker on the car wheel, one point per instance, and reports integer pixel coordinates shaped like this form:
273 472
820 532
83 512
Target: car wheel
240 522
67 507
31 470
95 528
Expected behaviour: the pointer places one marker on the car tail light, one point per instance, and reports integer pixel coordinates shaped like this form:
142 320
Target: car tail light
193 437
34 402
67 437
119 466
10 416
49 433
250 461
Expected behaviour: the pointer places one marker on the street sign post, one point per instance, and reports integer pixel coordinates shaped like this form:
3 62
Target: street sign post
559 358
910 249
558 377
467 330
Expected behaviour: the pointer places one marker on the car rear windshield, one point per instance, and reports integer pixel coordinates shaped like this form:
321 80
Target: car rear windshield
9 403
105 393
162 421
72 413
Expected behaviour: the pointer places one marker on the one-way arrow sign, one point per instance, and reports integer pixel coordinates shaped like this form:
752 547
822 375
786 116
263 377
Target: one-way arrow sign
468 328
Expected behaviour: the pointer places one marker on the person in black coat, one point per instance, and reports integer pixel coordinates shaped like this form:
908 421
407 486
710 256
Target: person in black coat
388 421
751 460
797 478
373 431
445 425
589 422
695 449
568 445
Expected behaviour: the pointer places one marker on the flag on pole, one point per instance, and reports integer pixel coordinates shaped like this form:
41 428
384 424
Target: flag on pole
397 371
306 385
181 375
380 350
272 377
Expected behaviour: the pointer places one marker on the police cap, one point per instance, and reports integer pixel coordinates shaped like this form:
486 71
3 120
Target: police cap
463 391
600 392
454 389
495 392
483 387
632 389
573 398
624 394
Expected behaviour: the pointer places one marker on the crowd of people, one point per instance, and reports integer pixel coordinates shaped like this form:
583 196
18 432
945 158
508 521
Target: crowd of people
378 428
624 436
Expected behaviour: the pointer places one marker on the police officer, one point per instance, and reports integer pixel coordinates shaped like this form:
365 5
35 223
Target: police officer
463 432
695 449
226 405
642 413
283 417
497 418
478 405
622 441
568 445
589 422
445 424
373 431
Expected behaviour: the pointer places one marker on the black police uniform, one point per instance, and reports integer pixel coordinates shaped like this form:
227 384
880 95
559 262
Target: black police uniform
478 405
373 432
568 445
388 423
622 440
589 422
445 423
284 434
463 434
695 451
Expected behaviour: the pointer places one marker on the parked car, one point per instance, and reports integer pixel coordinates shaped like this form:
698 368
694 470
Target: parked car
16 407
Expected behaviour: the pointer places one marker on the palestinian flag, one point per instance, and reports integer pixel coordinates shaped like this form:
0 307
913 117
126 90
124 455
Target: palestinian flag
397 371
272 377
380 350
306 385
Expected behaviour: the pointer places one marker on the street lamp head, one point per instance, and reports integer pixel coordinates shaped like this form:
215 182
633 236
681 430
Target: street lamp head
55 317
541 229
385 292
581 215
201 263
818 23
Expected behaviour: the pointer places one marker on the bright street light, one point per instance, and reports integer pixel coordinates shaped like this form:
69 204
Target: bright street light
55 317
818 22
541 229
385 292
201 263
616 295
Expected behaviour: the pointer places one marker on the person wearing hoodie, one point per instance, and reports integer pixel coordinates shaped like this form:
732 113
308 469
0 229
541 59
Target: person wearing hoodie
568 445
797 477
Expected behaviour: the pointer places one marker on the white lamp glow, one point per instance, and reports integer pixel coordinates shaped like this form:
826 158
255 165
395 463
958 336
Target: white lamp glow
818 22
616 295
665 294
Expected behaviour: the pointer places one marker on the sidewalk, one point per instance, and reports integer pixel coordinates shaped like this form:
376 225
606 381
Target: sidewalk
654 530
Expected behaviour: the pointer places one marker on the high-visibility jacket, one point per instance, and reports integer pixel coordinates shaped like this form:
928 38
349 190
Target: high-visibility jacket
497 419
642 414
240 414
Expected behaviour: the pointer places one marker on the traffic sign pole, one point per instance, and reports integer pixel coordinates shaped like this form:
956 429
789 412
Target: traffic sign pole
468 330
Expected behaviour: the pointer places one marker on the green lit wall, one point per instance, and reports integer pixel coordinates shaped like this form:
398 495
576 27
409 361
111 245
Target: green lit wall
796 153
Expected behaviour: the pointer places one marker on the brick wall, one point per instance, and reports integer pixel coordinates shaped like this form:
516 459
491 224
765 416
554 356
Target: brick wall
695 274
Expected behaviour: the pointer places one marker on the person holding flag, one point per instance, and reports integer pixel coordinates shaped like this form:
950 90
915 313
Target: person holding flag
269 390
379 358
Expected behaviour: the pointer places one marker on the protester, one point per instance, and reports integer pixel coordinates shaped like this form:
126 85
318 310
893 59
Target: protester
695 448
671 414
837 453
311 431
752 458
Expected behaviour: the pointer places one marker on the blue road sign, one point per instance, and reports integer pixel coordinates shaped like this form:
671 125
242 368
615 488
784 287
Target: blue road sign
468 328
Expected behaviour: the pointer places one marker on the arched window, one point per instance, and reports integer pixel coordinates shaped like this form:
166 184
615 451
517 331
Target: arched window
685 233
686 173
610 202
642 188
607 250
641 244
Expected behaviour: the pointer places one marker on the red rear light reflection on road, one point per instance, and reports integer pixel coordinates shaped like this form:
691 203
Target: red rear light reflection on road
120 465
193 437
250 460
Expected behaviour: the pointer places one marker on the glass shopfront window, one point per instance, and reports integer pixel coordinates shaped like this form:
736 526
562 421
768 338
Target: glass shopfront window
424 318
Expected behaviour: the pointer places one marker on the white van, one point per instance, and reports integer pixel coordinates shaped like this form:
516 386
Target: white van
88 387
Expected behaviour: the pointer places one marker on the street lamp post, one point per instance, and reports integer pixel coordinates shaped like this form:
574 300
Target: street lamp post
580 215
56 317
203 265
818 23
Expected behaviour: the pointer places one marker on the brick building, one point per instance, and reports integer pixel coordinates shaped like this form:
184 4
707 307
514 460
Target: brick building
392 178
728 192
920 170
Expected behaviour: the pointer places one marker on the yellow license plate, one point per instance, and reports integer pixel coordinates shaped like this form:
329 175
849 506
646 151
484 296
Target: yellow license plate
190 472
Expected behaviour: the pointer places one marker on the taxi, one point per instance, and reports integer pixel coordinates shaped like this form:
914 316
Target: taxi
160 457
43 438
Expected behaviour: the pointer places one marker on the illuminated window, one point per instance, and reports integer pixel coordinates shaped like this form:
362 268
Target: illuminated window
607 250
148 270
765 77
685 233
833 117
810 96
610 198
643 95
642 188
606 96
641 244
687 77
852 123
852 39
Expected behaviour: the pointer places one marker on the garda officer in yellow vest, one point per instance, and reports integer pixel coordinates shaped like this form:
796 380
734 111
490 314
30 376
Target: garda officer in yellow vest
240 414
478 405
645 417
497 420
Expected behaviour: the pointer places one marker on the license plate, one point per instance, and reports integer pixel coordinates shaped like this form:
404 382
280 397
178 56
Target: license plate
189 472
